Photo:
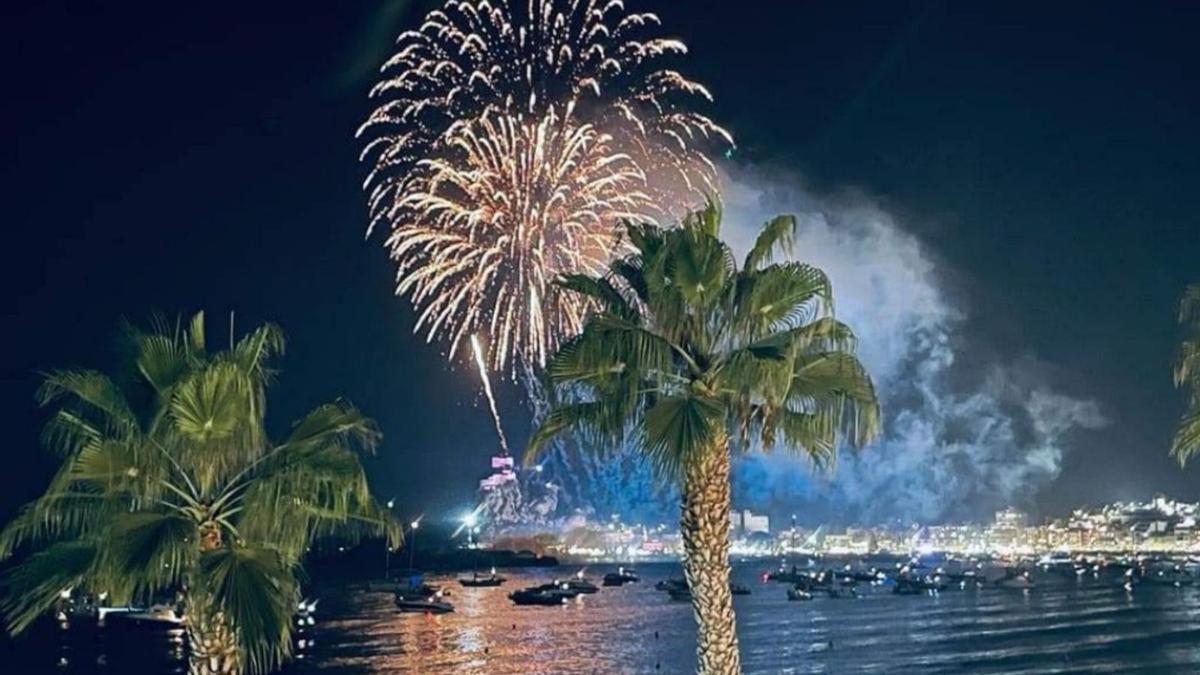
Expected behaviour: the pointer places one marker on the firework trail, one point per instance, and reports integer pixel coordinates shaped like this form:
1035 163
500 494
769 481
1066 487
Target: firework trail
510 142
487 389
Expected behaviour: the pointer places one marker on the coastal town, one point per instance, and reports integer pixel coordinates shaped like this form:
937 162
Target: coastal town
1160 525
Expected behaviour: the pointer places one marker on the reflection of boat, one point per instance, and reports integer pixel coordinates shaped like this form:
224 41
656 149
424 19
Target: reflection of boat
537 595
621 577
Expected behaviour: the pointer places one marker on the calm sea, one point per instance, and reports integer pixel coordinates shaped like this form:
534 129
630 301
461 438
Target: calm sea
1060 626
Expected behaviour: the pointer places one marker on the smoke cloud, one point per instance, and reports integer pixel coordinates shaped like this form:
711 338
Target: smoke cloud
959 441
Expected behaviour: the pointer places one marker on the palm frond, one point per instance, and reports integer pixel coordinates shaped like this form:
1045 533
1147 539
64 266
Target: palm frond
32 587
599 289
1187 437
150 550
256 590
679 429
587 418
776 237
95 393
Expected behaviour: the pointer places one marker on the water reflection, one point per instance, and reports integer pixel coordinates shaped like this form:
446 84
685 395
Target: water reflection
1067 626
634 629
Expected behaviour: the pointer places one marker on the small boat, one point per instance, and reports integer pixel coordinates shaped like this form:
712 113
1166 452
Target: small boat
738 589
431 605
537 595
798 595
418 592
157 615
680 594
792 576
621 577
579 584
1020 582
911 586
1175 577
487 581
558 588
671 584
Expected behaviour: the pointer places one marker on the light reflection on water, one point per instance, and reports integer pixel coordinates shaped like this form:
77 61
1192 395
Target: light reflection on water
1062 626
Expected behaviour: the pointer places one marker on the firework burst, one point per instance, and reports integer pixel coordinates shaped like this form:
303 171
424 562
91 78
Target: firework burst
510 142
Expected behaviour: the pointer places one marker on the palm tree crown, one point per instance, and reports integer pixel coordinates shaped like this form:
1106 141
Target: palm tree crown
688 356
170 483
686 346
1187 376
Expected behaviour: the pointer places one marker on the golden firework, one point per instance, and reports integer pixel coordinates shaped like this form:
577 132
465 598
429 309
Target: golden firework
509 145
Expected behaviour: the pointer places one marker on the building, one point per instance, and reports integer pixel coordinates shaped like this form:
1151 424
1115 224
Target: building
502 473
746 523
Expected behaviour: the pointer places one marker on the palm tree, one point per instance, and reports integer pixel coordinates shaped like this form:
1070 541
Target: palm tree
690 359
1187 375
169 483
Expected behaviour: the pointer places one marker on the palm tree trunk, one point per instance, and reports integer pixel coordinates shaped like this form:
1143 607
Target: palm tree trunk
705 530
212 644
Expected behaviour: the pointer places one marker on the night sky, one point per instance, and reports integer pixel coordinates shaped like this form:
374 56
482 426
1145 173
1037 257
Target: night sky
182 156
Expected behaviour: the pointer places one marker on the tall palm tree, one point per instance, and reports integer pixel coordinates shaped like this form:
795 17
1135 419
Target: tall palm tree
691 358
169 483
1187 376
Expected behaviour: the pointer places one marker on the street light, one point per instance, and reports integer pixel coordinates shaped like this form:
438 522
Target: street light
412 544
387 549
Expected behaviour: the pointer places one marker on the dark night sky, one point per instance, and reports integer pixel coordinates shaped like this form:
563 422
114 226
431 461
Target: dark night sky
178 156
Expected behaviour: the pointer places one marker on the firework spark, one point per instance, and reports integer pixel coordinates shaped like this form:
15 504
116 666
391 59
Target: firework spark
509 145
487 389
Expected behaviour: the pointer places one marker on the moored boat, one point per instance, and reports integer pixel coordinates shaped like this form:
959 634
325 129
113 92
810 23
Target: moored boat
430 605
538 596
477 580
621 577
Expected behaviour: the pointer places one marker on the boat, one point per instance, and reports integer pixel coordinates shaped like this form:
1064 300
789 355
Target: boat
579 584
917 586
1174 576
621 577
537 595
680 594
557 588
670 584
487 581
431 605
679 591
418 591
798 594
792 576
154 615
1017 581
